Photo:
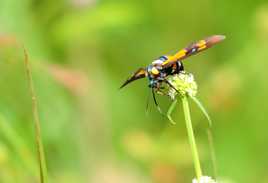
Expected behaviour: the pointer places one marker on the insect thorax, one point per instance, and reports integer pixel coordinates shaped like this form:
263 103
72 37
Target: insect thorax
157 74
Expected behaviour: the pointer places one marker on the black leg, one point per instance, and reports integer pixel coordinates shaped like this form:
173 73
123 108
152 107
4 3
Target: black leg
157 106
148 102
169 84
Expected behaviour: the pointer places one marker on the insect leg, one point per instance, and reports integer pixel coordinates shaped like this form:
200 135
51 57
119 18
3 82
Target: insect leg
170 110
180 67
155 102
148 103
169 84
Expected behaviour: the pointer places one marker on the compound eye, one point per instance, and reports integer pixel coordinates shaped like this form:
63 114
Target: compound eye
155 71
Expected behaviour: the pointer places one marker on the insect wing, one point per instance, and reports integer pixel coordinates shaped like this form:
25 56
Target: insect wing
193 49
140 73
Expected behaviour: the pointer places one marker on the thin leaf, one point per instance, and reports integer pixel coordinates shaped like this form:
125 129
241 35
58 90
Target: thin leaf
202 108
170 110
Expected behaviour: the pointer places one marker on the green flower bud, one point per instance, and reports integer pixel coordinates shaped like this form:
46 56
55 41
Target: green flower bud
184 84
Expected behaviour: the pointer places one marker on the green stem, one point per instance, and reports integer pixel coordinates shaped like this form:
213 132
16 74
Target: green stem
190 132
212 152
39 144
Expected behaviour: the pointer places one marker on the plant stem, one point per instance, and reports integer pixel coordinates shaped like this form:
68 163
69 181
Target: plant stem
39 144
190 132
212 152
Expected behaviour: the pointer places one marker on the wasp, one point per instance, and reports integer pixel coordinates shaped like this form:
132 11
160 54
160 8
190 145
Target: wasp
158 71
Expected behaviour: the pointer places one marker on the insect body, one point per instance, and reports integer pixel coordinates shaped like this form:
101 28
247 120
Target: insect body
158 71
157 74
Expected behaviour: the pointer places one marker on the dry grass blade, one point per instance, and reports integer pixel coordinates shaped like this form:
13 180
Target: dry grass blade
39 145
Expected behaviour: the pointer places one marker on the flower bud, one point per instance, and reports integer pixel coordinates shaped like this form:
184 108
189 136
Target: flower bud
184 84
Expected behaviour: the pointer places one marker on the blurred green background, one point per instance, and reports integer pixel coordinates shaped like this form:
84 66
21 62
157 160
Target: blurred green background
82 50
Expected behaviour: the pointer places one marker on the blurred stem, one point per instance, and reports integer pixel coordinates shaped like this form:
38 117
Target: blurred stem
39 144
209 134
17 144
212 152
190 132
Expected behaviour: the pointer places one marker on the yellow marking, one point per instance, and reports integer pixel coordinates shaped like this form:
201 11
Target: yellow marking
170 58
177 56
202 47
201 43
180 54
155 71
140 72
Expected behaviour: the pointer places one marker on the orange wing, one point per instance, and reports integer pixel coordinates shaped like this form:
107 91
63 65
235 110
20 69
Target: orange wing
193 49
140 73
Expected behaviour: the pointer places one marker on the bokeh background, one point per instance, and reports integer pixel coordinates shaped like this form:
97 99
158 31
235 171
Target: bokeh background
82 50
